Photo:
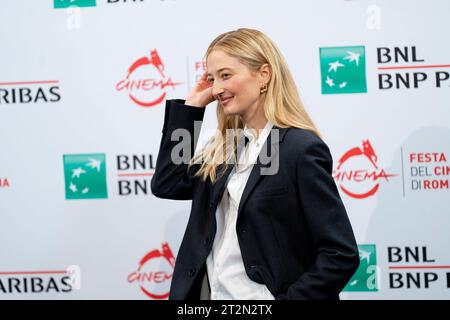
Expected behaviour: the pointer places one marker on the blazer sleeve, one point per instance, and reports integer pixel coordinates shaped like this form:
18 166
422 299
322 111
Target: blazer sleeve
329 226
170 180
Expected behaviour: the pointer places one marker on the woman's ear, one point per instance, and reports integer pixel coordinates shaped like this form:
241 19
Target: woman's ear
265 73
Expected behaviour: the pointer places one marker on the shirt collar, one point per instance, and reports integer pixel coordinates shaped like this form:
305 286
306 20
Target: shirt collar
251 133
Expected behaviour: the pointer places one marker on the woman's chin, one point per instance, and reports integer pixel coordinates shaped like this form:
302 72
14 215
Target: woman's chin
231 110
228 111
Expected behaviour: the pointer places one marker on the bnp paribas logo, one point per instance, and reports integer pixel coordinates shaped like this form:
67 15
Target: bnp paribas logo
85 176
365 278
343 70
58 4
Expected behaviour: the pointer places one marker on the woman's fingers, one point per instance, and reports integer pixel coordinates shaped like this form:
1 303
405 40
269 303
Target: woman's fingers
203 83
202 93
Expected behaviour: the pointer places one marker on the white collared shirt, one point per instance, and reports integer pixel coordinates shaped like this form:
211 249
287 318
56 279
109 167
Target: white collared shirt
226 272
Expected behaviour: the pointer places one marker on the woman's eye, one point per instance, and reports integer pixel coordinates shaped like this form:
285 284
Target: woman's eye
225 75
210 80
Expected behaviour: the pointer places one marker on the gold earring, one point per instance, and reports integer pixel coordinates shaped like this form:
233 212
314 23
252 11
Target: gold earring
264 88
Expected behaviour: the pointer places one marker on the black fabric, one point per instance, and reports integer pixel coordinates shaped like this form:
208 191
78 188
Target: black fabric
293 230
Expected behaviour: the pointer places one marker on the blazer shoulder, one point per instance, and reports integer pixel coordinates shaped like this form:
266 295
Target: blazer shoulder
309 148
303 139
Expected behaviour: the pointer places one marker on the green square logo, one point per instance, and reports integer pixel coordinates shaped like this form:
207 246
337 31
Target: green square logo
365 278
85 176
343 70
58 4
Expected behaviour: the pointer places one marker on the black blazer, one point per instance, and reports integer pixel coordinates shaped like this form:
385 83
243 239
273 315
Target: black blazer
294 233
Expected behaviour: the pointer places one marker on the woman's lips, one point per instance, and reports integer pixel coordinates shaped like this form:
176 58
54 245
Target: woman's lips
225 101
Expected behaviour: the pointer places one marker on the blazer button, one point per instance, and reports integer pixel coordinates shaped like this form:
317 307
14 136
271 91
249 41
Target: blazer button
251 268
207 241
192 272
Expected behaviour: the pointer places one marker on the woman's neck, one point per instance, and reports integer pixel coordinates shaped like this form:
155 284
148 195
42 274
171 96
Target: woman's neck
256 121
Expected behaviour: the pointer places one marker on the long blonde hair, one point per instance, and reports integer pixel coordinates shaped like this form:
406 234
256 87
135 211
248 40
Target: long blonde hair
281 103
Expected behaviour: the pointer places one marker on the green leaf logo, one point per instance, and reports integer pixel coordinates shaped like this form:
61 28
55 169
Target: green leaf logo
365 278
343 70
85 176
59 4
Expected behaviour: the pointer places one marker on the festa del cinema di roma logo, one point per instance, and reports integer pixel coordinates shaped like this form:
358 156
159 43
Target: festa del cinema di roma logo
358 174
154 273
146 82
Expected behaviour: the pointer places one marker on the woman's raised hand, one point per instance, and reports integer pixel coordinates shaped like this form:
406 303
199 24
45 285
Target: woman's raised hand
201 95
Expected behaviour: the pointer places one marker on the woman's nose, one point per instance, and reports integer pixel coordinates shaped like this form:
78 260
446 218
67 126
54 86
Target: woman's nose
217 91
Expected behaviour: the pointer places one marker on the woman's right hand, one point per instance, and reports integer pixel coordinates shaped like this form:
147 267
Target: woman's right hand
201 95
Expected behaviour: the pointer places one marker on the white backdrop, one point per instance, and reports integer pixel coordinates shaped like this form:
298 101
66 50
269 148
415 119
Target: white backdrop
61 76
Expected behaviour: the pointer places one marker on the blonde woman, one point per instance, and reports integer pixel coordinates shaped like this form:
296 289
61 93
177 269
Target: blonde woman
267 221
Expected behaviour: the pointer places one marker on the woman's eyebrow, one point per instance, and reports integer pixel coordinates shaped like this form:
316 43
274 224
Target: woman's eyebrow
221 69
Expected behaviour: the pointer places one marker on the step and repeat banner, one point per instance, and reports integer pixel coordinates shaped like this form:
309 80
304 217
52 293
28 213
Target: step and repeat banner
83 85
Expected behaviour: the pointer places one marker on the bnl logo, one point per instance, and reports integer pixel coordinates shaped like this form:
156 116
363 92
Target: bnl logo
343 70
365 278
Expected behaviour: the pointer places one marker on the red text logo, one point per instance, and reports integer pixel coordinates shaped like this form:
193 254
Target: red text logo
146 82
154 273
358 174
4 183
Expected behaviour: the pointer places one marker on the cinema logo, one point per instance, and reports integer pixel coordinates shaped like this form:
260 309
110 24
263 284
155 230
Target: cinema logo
154 273
358 175
428 171
4 183
413 267
41 282
29 92
146 83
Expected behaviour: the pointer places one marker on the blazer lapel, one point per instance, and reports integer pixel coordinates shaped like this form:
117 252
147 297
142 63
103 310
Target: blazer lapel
219 187
272 147
260 169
